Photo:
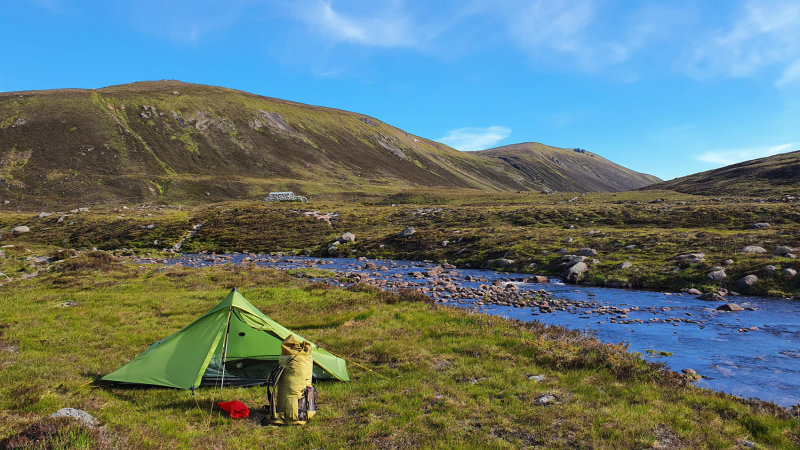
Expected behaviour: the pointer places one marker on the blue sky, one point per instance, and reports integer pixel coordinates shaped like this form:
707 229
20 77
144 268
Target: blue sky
663 87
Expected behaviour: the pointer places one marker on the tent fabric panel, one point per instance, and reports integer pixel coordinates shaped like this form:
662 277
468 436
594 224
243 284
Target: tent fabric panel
177 360
254 344
332 364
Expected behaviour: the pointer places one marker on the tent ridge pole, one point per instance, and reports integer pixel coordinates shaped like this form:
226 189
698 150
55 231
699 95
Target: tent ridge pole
225 346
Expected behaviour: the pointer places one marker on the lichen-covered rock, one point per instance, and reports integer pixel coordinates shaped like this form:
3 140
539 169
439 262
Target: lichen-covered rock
77 414
754 249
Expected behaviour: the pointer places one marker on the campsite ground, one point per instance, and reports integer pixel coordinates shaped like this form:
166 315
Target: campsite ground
439 376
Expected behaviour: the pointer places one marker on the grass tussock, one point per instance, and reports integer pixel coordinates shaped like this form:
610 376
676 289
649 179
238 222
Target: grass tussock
438 377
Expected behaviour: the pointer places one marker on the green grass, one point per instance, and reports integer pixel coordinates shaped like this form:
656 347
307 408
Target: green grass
529 228
439 377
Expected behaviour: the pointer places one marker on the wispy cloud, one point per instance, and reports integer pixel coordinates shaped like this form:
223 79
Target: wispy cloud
726 157
763 33
475 138
388 28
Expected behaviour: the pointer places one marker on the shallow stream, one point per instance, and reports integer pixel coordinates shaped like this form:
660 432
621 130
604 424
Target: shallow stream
751 353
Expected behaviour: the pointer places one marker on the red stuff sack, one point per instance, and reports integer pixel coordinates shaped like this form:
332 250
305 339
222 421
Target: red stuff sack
237 409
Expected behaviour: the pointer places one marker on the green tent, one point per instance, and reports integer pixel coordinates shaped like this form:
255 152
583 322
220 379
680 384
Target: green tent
232 344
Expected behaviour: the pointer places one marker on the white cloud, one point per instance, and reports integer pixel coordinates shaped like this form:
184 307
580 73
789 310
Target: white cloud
763 33
475 138
727 157
388 28
789 75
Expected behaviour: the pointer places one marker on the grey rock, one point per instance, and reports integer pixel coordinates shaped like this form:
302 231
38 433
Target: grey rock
568 261
501 263
575 273
346 237
545 400
43 214
568 240
754 249
629 247
712 296
77 414
20 229
407 232
562 251
693 291
592 232
761 225
587 252
790 256
746 282
770 270
625 265
788 272
782 250
537 378
729 307
717 275
728 262
691 257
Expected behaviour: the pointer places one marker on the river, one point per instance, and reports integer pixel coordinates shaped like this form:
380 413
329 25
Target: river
751 353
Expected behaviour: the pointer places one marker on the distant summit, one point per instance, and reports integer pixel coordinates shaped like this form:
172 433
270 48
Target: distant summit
171 141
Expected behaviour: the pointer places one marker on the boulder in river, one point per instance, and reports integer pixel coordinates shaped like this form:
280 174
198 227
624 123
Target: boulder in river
693 291
575 273
712 296
729 307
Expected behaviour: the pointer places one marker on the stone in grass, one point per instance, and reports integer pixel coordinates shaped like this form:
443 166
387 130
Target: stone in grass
782 250
717 275
729 307
625 265
761 225
545 400
788 272
770 270
746 282
537 378
346 237
407 232
586 252
77 414
754 249
20 229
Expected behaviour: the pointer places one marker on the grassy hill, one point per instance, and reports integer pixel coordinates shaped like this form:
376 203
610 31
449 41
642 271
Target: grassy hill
567 170
176 142
773 175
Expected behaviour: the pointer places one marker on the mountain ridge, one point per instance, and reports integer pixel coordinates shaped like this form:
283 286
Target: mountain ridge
174 141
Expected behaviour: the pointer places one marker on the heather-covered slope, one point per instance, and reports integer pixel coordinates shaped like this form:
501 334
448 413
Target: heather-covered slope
179 142
567 170
773 175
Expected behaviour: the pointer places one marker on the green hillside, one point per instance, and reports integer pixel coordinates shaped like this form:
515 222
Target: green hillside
177 142
773 175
